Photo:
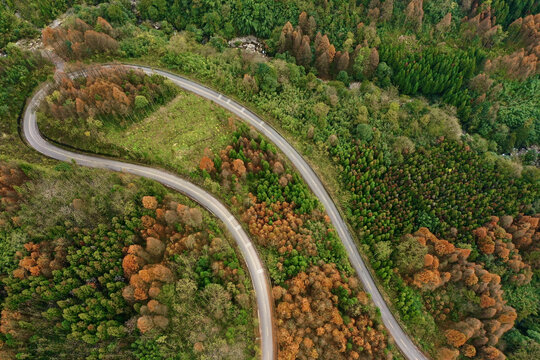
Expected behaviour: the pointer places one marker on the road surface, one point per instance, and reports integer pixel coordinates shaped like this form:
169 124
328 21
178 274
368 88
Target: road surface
261 283
407 347
402 340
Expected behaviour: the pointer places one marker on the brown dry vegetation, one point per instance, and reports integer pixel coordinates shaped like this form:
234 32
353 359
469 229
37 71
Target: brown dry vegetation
79 40
110 91
448 275
523 62
10 178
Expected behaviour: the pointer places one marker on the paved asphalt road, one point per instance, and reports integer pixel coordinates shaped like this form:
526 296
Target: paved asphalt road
407 347
258 275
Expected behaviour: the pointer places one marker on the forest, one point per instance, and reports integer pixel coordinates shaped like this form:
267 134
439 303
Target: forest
109 268
321 309
20 72
294 235
421 117
467 54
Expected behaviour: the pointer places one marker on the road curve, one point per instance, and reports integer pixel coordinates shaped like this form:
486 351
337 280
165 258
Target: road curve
261 283
405 344
402 340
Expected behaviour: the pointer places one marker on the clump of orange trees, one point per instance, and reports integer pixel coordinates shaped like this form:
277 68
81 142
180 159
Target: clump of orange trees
360 62
78 40
10 177
106 93
144 267
463 296
42 259
170 228
254 160
473 300
313 322
522 63
180 272
493 239
523 233
453 191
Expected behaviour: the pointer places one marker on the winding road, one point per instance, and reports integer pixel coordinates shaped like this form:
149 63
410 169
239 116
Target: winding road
258 275
259 278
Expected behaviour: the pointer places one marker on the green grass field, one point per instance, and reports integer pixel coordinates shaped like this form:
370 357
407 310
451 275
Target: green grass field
173 136
176 134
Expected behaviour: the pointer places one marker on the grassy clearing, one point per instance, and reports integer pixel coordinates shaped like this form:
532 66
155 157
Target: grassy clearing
176 134
173 136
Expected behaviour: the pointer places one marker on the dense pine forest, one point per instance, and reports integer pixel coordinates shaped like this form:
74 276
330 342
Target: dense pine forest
99 268
422 118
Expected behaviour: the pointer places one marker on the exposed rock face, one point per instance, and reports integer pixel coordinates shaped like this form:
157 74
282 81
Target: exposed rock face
249 43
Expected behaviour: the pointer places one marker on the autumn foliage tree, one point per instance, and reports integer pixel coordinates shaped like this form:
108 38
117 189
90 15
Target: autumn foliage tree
286 38
482 325
342 61
523 62
103 26
312 321
324 54
105 93
303 55
206 164
415 12
307 24
372 63
78 40
494 239
43 259
443 25
10 178
481 25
